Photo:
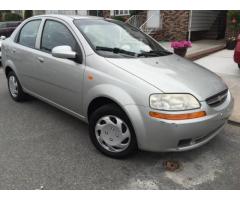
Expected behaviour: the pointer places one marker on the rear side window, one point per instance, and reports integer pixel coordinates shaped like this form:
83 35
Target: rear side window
28 33
57 34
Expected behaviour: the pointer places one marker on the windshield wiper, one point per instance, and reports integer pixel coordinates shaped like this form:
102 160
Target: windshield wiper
154 53
115 50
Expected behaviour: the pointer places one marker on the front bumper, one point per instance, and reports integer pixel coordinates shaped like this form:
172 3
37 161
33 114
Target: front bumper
178 135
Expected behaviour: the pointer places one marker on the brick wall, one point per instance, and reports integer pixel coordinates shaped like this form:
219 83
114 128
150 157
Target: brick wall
175 25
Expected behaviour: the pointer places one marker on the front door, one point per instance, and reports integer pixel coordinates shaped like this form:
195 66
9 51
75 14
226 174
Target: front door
59 80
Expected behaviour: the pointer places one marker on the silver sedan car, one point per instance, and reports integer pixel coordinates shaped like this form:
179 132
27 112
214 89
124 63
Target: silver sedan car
132 92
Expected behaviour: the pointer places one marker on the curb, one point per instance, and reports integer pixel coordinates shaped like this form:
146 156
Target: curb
234 123
203 53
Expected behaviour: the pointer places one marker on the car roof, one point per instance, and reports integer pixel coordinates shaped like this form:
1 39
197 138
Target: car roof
69 16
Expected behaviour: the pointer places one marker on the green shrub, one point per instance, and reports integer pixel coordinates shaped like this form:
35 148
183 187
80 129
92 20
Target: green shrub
28 13
120 18
135 12
233 14
12 17
233 21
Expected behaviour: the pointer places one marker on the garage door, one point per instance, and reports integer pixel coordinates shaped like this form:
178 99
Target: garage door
202 20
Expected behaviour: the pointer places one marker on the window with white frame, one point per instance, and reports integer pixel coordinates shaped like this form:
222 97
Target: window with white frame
121 12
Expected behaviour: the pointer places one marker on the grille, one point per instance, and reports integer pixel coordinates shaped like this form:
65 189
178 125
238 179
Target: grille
217 99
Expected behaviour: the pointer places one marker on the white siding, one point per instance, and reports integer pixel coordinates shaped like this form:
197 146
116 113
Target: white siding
202 20
154 20
111 12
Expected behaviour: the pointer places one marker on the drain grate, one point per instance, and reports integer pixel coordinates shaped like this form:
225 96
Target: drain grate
171 165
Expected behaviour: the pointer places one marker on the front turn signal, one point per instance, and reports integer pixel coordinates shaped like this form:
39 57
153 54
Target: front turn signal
177 116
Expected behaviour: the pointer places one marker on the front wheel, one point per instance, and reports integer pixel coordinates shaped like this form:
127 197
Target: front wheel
111 132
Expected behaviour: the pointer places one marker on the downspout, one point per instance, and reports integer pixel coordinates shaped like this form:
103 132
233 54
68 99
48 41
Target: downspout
189 25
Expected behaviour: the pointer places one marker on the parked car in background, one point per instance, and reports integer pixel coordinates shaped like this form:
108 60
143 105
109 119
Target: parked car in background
0 52
237 52
6 28
1 39
133 93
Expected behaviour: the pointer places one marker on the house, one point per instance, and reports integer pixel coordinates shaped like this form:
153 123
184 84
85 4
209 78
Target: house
181 24
163 25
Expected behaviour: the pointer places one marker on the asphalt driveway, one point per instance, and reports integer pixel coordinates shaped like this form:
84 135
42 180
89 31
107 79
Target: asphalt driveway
44 148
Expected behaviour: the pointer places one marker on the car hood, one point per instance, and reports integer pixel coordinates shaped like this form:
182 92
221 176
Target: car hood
173 74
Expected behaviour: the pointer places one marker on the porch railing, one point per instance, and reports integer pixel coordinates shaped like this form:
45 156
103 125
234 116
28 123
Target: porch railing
142 22
136 20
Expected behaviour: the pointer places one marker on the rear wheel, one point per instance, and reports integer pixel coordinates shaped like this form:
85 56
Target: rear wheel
15 88
111 132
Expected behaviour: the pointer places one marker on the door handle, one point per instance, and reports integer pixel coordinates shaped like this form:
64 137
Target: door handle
40 59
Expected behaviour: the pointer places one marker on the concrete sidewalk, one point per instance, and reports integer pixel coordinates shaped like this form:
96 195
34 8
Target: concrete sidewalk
222 64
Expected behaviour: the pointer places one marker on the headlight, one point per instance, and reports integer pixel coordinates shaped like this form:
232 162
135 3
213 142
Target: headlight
173 102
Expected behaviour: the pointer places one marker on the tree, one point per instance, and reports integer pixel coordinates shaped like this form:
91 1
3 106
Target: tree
12 17
28 13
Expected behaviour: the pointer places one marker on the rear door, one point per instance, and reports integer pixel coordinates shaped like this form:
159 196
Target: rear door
23 52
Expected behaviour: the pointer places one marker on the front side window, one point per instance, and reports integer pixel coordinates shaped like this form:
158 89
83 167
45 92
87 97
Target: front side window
107 35
28 33
56 34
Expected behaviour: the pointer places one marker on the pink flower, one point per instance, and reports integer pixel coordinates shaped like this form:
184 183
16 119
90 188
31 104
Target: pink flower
181 44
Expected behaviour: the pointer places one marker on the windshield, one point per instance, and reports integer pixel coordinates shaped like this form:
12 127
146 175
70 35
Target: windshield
112 38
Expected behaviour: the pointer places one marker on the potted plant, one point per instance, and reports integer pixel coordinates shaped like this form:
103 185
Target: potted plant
231 43
180 47
233 20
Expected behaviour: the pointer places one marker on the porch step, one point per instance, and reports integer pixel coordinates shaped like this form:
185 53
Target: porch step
205 52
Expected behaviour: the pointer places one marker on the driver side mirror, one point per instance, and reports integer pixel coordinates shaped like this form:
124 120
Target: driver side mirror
64 52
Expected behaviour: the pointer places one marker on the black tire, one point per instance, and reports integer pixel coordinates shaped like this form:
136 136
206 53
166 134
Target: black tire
21 96
112 109
239 66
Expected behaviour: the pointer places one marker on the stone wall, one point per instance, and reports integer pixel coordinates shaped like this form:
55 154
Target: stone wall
175 25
